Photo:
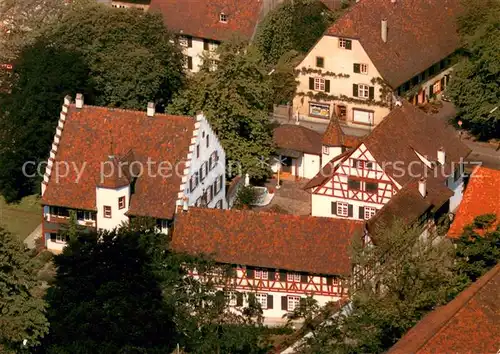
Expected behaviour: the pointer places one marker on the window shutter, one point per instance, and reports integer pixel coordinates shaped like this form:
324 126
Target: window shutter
251 299
190 63
205 44
239 299
329 281
303 304
348 44
430 90
270 301
53 236
249 273
282 276
355 90
349 210
79 214
357 68
284 303
311 83
190 41
353 162
361 212
327 85
334 208
442 83
303 278
371 92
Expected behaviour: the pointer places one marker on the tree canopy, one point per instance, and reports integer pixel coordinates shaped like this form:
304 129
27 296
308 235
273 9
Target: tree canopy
294 25
235 99
124 291
475 84
22 312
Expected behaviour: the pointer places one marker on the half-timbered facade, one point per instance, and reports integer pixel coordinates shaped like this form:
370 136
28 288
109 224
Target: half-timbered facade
110 165
278 259
408 146
371 56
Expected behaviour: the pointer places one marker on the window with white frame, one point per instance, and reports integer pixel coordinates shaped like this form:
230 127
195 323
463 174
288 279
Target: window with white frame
363 68
342 209
231 298
261 274
363 91
295 277
326 150
262 300
293 302
364 164
319 84
107 211
85 215
223 18
345 43
183 41
369 212
193 182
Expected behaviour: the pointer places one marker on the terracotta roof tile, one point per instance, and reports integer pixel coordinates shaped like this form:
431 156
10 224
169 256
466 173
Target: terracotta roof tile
482 196
420 34
298 138
335 136
270 240
468 324
86 142
200 18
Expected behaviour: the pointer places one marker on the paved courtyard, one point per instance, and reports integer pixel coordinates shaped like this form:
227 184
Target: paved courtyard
290 198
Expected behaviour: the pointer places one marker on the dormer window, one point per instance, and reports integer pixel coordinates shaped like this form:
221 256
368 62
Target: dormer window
223 17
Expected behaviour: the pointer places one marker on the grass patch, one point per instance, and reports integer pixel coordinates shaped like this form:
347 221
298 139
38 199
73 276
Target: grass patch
21 218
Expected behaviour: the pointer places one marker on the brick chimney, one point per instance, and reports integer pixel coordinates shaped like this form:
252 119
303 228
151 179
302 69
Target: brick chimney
151 109
441 156
79 100
383 30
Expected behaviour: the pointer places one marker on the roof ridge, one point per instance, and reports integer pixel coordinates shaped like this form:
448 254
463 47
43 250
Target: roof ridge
117 109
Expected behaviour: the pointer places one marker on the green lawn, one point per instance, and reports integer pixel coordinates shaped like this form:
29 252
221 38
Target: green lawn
21 218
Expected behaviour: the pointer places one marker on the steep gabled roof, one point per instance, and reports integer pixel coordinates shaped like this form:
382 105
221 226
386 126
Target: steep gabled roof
335 136
468 324
200 18
298 138
420 34
269 240
482 196
86 142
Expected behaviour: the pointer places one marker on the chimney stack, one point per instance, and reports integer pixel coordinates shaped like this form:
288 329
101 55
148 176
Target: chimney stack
393 1
422 187
441 156
79 100
151 109
383 30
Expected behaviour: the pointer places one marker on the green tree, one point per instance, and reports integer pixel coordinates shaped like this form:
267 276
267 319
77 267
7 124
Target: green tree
478 248
130 55
474 87
294 25
107 296
22 313
404 276
235 99
29 112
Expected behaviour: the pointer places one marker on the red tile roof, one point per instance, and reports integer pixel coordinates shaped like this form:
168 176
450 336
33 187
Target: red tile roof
335 136
482 196
269 240
468 324
91 133
420 34
200 18
298 138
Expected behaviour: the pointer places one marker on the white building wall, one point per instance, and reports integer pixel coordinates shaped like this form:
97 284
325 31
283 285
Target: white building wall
329 153
458 189
202 131
196 53
109 197
310 165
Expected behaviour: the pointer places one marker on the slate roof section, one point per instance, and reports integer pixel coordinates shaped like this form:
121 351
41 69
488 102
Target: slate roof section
482 196
420 33
269 240
470 323
86 142
200 18
298 138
